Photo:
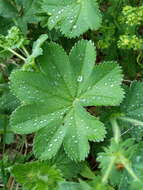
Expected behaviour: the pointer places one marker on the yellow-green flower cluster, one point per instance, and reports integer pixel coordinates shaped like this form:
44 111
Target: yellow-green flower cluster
132 15
14 39
130 42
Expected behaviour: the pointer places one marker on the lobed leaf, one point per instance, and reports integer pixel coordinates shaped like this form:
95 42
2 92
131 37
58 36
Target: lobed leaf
72 17
53 99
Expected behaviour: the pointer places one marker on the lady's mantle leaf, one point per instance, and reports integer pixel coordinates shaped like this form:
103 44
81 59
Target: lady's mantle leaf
37 175
132 109
53 99
132 105
73 17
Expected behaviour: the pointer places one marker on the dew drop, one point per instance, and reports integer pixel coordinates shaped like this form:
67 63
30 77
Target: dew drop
74 27
80 79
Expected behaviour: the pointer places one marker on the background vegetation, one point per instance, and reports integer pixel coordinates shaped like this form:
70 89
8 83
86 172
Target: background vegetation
100 123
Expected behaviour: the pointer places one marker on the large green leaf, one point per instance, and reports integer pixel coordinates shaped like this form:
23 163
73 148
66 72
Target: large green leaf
54 99
72 17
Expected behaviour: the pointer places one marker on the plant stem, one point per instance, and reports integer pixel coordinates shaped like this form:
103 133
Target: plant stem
130 120
116 129
25 50
3 152
14 52
17 54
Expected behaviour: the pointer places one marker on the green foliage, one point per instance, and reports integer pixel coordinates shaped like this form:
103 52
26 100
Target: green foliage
71 115
66 165
74 186
7 9
62 118
37 175
127 182
8 102
13 40
22 12
133 15
36 50
5 25
116 155
91 185
130 42
131 109
73 17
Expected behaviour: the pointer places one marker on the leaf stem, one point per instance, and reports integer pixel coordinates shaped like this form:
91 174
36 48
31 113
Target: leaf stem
116 129
25 50
17 54
14 52
130 120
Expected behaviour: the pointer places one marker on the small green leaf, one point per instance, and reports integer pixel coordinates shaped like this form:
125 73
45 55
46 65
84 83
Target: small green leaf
37 175
72 17
37 50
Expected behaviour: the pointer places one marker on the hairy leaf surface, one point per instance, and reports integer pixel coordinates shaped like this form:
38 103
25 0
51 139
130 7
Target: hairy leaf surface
54 99
72 17
132 109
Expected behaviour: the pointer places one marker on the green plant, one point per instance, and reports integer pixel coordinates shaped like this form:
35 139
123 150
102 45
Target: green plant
71 115
70 86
